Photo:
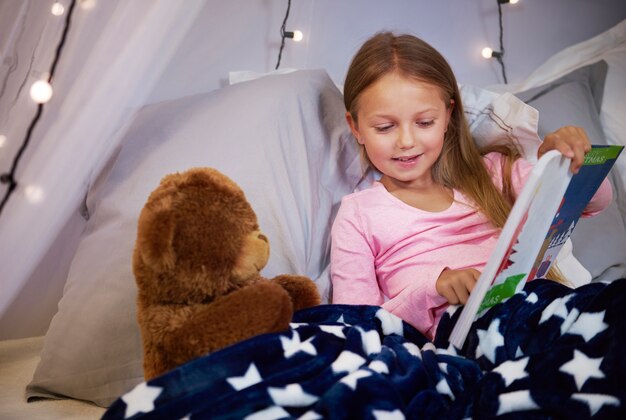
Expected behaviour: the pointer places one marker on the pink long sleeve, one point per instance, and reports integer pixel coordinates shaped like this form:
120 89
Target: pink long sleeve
388 253
385 252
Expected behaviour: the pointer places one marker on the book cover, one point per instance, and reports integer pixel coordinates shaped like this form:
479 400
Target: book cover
580 190
543 217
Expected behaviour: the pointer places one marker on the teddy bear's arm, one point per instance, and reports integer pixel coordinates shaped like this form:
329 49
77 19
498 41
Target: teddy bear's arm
190 331
303 291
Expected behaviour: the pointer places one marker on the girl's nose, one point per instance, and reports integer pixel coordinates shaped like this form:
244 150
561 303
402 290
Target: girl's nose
406 140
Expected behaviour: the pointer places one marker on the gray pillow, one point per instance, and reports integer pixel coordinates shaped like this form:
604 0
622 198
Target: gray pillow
575 99
283 139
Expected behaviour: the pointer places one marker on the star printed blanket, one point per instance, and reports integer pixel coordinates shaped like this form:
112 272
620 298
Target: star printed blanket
548 352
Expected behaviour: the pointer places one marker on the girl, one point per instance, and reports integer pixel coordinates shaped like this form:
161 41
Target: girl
415 241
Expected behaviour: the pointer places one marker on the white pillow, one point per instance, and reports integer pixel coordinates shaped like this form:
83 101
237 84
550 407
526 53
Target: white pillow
494 117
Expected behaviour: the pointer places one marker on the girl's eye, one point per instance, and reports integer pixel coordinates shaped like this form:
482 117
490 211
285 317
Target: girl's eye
383 128
425 124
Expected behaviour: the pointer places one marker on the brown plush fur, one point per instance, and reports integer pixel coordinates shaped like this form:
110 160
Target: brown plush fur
197 262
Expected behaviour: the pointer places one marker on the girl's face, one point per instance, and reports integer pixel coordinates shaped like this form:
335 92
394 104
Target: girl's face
401 124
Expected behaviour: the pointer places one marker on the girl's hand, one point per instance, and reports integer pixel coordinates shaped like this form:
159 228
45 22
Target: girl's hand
456 285
571 141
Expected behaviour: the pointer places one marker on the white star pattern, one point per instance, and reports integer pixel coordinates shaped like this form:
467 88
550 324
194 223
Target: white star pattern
555 308
515 401
443 366
413 349
293 345
490 340
582 367
580 372
371 341
512 370
251 377
588 325
291 396
388 415
596 401
141 399
379 366
567 322
391 324
532 298
450 350
478 353
451 309
444 388
310 415
429 347
351 379
270 413
347 361
336 330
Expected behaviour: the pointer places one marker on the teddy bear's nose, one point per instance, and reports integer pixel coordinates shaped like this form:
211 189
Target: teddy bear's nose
263 237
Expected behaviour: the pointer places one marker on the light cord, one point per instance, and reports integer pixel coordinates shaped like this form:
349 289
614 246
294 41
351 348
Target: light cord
9 177
282 35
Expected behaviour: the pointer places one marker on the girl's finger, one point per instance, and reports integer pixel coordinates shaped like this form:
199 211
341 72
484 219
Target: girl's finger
461 292
449 294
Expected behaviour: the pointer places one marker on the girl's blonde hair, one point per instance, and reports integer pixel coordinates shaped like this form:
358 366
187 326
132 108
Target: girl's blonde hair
460 164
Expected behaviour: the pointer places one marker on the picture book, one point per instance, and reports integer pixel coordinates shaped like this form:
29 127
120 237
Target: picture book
543 217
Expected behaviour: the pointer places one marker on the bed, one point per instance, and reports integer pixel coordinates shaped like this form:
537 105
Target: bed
89 362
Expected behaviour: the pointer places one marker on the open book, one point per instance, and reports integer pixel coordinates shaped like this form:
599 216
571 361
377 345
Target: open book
543 217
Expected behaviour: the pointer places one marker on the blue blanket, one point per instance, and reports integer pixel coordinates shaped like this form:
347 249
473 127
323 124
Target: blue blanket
548 352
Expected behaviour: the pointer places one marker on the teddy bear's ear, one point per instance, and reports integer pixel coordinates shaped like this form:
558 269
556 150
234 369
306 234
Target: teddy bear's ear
155 235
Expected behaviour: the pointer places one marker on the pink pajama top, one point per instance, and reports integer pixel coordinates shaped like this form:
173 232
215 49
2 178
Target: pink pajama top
388 253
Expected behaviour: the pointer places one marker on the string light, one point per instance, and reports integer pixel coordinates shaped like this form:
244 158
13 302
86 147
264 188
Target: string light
41 91
57 9
489 53
35 194
295 35
3 140
499 55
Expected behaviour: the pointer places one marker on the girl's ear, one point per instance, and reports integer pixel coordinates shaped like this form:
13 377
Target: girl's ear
353 127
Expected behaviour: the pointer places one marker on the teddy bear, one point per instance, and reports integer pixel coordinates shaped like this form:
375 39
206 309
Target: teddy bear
197 262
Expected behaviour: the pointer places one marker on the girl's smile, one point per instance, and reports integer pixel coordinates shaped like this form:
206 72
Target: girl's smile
406 158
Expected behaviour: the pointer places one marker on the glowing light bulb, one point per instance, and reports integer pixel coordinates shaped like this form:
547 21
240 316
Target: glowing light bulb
513 1
3 140
41 91
57 9
487 52
297 36
34 194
